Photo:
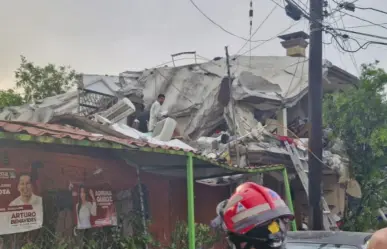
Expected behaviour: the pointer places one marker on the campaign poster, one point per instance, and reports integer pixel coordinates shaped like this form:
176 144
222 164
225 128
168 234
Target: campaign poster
21 208
93 206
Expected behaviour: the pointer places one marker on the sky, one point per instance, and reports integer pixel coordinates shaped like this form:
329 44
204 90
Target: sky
109 37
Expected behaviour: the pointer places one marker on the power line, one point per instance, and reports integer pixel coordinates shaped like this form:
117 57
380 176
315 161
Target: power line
258 28
364 20
345 42
369 41
219 26
331 41
352 7
359 33
177 89
270 39
304 12
373 9
364 26
251 15
237 55
340 6
279 5
346 37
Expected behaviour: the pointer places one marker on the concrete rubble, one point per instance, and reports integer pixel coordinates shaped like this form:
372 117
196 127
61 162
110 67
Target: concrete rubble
192 99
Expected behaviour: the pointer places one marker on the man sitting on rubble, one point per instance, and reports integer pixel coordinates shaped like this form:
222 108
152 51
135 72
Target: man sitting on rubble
155 112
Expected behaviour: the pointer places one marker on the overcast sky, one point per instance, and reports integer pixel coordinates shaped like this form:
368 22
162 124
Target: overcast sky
108 37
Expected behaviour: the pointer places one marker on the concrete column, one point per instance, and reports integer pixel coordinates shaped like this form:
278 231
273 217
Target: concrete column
282 119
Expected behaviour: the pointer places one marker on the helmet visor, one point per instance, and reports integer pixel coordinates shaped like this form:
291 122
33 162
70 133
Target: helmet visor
282 212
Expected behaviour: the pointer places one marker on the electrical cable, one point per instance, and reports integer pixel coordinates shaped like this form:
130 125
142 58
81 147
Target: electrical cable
177 89
293 76
349 46
303 11
358 33
219 26
270 39
372 42
363 46
343 5
251 15
258 28
305 5
279 5
339 6
365 26
262 43
296 69
364 20
373 9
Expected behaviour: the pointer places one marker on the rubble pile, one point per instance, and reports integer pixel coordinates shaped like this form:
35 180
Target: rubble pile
260 87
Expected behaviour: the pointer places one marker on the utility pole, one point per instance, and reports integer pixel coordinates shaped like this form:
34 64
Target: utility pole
315 218
232 105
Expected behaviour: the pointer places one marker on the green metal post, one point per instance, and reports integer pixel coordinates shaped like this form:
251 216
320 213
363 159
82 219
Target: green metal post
191 203
289 196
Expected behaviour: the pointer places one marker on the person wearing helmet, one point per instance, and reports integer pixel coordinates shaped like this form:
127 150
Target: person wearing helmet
254 217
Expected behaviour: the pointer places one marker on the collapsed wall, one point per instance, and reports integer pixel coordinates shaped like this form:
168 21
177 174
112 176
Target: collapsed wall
259 89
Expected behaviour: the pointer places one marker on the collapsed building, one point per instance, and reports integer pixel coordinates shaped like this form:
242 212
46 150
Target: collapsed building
268 98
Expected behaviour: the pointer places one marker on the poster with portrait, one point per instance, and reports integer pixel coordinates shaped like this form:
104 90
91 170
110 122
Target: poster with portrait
21 207
93 206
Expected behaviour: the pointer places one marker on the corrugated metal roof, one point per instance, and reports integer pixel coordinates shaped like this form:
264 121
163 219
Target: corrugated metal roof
61 131
69 132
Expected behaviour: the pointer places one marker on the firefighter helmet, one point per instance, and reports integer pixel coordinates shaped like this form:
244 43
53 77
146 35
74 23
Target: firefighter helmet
255 216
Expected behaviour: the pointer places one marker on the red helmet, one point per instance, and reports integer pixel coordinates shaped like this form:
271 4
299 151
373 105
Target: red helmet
253 205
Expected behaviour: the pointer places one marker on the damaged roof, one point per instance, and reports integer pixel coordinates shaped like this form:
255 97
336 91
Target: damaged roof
192 91
61 131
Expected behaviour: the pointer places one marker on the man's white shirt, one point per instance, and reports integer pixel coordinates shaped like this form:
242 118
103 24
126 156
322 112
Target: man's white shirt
35 201
154 115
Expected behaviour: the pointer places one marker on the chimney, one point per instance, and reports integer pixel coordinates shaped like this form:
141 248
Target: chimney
295 43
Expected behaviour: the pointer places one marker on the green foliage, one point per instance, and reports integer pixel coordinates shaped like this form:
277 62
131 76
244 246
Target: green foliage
41 82
205 237
358 117
111 238
10 98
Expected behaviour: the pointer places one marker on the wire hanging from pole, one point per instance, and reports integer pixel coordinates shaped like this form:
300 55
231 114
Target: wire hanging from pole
251 14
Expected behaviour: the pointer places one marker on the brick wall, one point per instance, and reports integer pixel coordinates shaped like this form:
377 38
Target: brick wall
167 196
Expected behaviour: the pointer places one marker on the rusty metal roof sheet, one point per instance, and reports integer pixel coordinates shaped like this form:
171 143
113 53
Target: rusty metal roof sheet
68 132
61 131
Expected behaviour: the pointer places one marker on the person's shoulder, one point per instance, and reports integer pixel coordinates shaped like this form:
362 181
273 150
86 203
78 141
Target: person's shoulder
379 238
381 233
37 199
156 103
15 202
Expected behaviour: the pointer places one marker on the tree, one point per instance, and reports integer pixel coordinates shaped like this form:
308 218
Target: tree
41 82
10 98
359 118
